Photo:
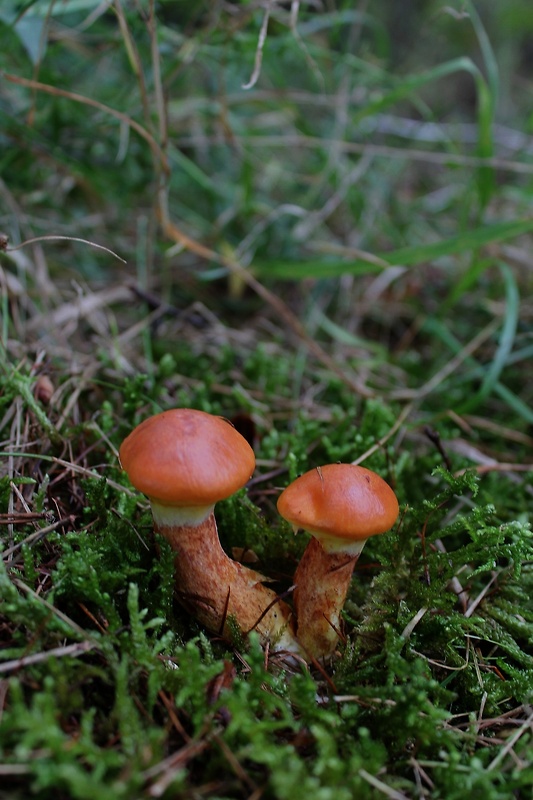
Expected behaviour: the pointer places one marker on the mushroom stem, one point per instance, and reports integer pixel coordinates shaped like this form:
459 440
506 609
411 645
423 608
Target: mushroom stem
216 589
340 505
322 580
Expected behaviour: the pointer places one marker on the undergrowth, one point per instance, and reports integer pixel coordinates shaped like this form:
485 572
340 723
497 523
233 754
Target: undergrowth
110 689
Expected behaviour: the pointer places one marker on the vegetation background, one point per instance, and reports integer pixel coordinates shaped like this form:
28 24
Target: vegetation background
313 218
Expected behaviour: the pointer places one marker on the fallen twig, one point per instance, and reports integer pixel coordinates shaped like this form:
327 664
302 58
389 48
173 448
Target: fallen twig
56 652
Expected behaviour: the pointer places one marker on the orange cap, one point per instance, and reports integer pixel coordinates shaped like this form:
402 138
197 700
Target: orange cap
341 501
185 457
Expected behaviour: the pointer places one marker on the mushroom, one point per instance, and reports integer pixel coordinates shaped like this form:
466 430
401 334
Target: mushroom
340 505
186 461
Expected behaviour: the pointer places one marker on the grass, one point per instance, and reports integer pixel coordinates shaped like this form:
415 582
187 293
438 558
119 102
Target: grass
337 258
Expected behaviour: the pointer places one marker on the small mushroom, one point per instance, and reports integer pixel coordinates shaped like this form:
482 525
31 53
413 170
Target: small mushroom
186 461
341 506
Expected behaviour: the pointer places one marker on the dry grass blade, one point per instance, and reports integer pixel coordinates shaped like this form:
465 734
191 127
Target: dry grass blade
496 761
72 650
56 611
8 770
404 414
75 468
382 787
88 101
33 538
234 763
483 469
449 368
477 600
383 151
55 237
83 307
169 767
260 46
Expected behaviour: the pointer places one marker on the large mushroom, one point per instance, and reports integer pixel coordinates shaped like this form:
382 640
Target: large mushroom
341 506
186 461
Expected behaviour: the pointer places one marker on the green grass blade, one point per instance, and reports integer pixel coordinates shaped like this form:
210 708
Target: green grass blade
407 86
505 345
487 96
196 174
487 51
406 256
466 281
340 334
518 407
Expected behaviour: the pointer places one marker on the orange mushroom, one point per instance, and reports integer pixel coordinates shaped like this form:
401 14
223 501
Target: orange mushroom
186 461
341 506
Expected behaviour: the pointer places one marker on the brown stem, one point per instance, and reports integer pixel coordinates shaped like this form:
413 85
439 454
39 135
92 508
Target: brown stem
216 589
322 580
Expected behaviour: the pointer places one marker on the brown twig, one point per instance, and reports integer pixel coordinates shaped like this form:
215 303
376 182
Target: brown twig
88 101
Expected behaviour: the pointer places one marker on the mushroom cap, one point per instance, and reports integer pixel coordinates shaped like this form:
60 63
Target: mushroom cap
184 457
340 501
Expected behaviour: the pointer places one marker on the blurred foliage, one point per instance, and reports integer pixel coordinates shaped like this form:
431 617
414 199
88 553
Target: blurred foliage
404 695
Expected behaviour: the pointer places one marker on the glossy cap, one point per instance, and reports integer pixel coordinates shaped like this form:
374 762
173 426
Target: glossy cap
185 457
340 501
